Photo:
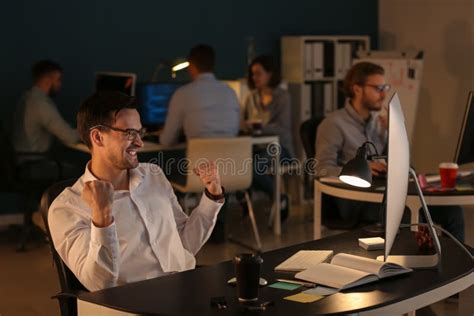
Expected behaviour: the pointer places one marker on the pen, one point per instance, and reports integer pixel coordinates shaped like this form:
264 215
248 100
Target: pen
305 284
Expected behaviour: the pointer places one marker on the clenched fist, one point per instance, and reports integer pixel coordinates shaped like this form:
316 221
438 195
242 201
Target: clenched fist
99 196
210 177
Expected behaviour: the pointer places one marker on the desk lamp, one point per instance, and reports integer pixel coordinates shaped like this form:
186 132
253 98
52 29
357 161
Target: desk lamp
174 66
356 172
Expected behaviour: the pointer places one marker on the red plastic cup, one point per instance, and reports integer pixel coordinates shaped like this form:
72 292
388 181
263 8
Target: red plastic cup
448 172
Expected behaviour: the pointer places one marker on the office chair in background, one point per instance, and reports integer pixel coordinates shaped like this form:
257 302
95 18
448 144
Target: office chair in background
234 159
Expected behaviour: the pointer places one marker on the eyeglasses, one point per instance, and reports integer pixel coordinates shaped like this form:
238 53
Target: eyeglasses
380 87
130 133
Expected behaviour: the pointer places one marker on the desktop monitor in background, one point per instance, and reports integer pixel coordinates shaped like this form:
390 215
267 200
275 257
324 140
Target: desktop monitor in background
153 100
465 147
116 81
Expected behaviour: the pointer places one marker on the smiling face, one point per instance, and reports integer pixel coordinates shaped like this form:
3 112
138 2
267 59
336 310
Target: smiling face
119 151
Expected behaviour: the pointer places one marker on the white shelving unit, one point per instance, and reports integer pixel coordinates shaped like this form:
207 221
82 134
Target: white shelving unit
314 67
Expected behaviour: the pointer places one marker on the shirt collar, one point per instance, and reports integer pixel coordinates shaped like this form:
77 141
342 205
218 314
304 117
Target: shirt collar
356 116
38 91
206 76
136 176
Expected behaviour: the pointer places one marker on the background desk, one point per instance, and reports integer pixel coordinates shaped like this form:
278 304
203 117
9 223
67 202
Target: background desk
373 194
189 293
149 147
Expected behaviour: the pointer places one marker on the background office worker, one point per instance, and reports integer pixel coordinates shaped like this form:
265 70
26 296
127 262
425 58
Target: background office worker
345 130
269 104
203 108
37 119
121 222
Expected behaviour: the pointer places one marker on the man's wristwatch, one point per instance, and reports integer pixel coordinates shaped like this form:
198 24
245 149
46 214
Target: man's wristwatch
215 197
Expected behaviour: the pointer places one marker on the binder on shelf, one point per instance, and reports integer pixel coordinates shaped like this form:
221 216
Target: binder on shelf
328 98
305 102
346 58
317 99
318 60
340 60
328 61
308 61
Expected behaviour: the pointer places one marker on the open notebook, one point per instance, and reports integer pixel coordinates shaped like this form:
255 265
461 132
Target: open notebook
346 271
303 259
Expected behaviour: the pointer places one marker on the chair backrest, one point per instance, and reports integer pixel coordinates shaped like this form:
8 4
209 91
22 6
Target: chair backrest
308 130
233 157
67 280
7 159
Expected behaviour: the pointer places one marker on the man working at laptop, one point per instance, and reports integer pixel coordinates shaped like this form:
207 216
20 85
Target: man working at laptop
205 107
345 130
121 222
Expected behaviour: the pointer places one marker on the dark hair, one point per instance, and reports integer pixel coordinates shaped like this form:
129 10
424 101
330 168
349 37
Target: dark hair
269 65
358 75
203 57
44 67
101 108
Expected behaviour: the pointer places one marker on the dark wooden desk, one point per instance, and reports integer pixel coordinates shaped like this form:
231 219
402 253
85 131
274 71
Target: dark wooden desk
189 293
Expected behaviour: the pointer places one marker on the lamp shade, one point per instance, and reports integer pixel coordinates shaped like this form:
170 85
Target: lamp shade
357 172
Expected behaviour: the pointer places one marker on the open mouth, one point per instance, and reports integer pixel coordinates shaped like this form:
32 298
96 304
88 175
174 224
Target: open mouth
132 152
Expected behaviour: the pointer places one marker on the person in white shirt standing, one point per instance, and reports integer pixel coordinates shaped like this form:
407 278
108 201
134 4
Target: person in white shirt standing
121 221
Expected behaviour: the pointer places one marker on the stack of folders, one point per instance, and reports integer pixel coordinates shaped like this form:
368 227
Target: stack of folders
374 243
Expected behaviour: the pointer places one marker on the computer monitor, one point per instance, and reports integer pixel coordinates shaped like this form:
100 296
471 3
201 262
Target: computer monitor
115 81
398 168
465 147
398 172
153 100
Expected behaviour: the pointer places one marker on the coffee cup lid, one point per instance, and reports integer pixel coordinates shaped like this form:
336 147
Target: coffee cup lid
448 165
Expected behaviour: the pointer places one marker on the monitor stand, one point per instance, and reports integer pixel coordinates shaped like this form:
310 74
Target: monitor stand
416 261
419 261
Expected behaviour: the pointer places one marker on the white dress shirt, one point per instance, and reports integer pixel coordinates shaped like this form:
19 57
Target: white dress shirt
151 236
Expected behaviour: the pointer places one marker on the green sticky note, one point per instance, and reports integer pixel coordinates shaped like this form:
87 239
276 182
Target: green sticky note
285 286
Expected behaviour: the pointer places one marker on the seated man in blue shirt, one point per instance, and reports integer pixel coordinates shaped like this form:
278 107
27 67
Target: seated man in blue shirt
205 107
345 130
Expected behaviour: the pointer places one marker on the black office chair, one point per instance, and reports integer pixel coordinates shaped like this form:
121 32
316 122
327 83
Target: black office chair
308 130
70 285
308 133
18 181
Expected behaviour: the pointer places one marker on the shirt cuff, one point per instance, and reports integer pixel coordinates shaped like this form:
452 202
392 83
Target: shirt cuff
210 207
104 235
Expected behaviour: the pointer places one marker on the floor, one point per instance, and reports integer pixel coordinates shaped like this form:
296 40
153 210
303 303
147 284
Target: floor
28 279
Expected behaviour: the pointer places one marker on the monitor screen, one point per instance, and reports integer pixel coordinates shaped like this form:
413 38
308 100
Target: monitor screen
398 171
115 81
153 99
465 147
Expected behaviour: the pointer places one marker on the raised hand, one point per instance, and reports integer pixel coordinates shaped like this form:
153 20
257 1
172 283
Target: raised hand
209 175
99 196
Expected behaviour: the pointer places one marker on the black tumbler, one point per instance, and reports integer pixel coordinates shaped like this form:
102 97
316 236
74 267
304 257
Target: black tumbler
247 270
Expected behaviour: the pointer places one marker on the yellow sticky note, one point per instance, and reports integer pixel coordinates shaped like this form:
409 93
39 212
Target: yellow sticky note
304 298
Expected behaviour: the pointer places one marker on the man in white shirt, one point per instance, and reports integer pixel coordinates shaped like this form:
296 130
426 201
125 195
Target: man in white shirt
203 108
121 222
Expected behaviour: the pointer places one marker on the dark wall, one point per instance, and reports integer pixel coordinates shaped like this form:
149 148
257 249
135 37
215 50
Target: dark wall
133 36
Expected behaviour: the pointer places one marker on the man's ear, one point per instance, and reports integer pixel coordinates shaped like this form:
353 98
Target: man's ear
96 138
356 89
